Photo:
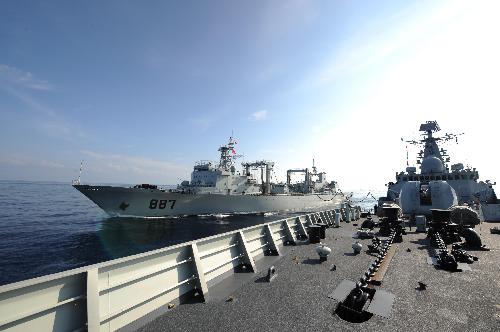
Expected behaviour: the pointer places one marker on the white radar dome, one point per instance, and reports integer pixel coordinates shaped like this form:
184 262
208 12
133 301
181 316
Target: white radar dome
432 164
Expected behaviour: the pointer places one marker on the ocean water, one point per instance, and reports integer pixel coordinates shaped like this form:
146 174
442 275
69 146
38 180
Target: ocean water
366 199
50 227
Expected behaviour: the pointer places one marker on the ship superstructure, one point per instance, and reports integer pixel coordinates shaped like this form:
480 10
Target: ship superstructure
209 177
439 185
219 188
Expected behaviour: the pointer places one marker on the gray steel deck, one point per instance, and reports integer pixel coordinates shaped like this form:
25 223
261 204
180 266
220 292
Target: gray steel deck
298 298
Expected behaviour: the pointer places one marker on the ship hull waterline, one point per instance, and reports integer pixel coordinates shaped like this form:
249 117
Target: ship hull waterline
133 202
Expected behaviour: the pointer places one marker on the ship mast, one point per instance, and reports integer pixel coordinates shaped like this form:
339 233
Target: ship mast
429 142
430 146
227 155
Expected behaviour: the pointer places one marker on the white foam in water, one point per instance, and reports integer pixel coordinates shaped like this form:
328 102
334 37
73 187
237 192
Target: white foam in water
220 215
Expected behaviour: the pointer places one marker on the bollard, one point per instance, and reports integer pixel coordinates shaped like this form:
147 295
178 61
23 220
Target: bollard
323 252
421 223
314 233
337 219
271 274
356 246
322 231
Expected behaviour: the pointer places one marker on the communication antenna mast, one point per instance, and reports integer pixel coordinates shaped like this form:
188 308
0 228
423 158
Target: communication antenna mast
80 173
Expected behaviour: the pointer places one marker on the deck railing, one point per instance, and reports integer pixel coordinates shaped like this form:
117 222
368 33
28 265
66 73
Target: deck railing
110 295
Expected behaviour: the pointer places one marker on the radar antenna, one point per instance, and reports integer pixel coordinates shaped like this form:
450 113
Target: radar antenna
429 142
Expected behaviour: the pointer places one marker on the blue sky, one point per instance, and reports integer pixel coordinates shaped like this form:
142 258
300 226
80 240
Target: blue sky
140 91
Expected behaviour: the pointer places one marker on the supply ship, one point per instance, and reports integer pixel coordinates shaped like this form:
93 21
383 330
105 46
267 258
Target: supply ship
217 188
438 185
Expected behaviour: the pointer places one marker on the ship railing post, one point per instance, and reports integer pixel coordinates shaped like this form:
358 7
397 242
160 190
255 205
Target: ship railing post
289 231
247 255
93 312
324 218
201 283
331 215
327 218
319 218
309 220
272 243
301 229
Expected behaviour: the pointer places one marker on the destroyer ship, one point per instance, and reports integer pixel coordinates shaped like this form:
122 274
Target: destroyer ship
438 185
217 188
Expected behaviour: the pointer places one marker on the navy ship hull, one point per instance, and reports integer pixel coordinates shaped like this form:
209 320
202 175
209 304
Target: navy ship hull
139 202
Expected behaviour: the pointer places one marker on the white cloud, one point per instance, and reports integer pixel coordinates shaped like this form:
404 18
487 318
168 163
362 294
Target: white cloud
259 115
20 84
24 79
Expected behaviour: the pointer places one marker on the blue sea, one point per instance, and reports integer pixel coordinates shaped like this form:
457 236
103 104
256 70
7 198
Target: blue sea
48 227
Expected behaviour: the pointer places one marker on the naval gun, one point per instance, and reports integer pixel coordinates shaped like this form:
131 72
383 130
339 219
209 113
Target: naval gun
419 198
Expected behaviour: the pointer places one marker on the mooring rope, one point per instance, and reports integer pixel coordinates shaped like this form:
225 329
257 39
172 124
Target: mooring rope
369 194
336 193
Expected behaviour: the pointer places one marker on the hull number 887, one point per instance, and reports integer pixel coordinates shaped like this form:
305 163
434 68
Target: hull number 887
162 203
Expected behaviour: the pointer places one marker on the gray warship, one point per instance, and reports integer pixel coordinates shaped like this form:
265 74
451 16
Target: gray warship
217 188
438 185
